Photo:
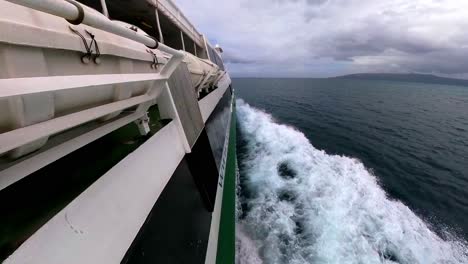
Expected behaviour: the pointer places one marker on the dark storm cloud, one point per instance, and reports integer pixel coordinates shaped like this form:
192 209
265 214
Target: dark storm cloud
373 39
316 2
233 57
320 37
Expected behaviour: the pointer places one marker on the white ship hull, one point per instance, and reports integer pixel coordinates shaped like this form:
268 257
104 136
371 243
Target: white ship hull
109 136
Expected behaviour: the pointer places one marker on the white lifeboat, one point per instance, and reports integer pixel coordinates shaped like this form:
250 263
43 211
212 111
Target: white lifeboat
34 44
204 73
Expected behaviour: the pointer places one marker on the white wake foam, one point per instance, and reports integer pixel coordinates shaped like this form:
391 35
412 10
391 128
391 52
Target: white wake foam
306 206
246 249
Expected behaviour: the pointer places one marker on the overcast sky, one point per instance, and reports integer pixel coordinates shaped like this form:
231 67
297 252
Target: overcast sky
321 38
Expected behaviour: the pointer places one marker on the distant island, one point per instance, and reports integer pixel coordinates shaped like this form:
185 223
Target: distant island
405 77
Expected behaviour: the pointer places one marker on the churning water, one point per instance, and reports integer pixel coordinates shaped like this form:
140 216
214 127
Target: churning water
300 204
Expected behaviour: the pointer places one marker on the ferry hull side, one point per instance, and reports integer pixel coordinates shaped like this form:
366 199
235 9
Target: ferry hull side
193 220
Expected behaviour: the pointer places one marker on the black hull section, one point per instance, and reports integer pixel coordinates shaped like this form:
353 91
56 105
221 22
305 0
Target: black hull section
177 229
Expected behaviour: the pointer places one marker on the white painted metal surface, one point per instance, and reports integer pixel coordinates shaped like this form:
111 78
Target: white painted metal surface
24 168
22 136
24 86
46 88
35 96
167 109
209 102
91 18
69 11
23 26
100 224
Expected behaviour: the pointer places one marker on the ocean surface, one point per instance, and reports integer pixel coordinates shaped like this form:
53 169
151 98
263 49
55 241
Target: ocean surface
351 171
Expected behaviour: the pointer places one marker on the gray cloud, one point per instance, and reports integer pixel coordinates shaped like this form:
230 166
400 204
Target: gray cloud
231 56
333 37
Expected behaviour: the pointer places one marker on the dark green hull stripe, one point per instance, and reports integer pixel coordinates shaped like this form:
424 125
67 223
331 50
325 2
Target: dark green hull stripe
227 230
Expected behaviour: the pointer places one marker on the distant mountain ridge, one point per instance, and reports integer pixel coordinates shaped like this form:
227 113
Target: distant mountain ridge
405 77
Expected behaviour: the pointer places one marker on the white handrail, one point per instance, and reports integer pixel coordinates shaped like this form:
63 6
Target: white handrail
32 85
24 135
72 12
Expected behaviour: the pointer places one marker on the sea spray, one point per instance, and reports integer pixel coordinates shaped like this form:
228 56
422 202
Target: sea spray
301 205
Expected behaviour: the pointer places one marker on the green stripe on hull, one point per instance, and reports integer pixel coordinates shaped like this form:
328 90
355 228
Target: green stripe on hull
227 231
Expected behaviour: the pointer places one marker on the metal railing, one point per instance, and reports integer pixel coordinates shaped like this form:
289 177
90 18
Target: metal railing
170 10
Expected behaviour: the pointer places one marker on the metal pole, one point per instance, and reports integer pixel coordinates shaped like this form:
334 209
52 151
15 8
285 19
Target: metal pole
104 8
182 39
206 48
161 38
195 48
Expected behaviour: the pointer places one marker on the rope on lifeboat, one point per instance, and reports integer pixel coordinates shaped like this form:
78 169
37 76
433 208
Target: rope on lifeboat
89 52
